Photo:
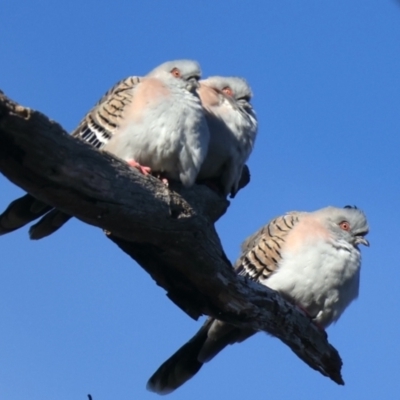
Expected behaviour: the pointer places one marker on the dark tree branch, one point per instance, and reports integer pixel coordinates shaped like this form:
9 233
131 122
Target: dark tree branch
168 231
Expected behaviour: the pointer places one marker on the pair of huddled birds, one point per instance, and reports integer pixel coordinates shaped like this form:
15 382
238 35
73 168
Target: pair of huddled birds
182 128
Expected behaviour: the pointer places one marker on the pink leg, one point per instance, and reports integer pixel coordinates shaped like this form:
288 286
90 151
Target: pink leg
162 178
309 316
144 170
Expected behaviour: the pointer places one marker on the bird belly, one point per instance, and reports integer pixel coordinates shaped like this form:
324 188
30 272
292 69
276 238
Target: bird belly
160 137
226 154
322 278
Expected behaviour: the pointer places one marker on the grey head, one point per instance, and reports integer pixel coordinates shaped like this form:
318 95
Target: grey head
348 223
232 86
186 71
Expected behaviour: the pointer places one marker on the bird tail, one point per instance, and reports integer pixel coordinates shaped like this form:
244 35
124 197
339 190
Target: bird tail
212 337
48 224
180 367
20 212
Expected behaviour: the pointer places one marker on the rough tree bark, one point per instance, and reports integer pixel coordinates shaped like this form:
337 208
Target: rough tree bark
168 231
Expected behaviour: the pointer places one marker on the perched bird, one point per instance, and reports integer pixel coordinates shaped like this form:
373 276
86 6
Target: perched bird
162 124
311 259
233 127
156 123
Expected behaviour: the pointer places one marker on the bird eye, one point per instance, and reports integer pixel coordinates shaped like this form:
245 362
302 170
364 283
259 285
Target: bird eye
345 225
176 73
228 91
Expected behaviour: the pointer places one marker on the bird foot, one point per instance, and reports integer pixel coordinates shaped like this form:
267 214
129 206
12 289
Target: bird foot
317 324
144 170
162 178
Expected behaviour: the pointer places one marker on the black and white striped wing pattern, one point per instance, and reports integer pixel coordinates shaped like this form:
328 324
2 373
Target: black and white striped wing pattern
261 252
104 119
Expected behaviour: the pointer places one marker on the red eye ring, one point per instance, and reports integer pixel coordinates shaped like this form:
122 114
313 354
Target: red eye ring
344 225
228 91
176 73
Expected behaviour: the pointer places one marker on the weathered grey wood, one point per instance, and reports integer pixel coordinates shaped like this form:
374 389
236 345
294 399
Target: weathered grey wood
169 231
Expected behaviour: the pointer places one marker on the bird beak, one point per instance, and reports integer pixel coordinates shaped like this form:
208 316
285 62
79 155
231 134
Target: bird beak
362 240
244 103
192 84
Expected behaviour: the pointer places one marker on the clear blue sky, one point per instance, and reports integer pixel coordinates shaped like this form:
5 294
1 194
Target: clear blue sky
78 316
